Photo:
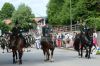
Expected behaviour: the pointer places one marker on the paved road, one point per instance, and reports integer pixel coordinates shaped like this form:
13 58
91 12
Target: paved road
62 58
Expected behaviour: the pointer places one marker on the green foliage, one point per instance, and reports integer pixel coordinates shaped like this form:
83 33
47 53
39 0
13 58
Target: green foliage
81 10
94 22
65 13
23 15
4 27
6 11
54 8
1 24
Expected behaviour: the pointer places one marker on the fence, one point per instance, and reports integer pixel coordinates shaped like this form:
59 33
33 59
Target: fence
63 28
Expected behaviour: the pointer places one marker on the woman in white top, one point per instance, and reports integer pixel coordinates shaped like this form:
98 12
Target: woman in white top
37 37
94 40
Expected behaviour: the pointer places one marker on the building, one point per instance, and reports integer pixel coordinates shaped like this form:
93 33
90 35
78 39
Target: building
7 21
40 21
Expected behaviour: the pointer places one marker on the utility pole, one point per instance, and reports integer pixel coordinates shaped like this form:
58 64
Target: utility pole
70 16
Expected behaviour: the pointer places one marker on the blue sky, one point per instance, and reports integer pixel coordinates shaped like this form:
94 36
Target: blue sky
38 6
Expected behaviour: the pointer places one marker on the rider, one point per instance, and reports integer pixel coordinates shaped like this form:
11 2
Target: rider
84 29
16 31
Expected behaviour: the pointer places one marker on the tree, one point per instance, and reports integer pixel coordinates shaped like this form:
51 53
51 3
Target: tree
81 10
54 8
7 10
65 13
23 15
93 22
4 27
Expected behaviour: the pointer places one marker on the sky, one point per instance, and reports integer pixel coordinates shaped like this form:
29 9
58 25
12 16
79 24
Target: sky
38 7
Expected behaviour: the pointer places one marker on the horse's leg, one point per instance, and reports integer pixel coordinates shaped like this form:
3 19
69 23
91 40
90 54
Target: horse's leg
52 55
81 51
16 55
89 51
48 54
44 55
3 51
7 49
20 56
13 57
86 52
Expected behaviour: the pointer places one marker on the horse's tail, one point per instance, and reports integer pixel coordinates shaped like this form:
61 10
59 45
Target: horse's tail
76 44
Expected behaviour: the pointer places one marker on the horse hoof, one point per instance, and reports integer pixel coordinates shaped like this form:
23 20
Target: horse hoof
14 62
89 57
52 60
81 56
46 60
20 62
86 56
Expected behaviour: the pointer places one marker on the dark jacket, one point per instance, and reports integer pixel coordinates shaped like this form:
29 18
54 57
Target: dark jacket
15 30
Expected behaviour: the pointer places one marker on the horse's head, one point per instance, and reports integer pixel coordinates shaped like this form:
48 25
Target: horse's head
90 32
88 36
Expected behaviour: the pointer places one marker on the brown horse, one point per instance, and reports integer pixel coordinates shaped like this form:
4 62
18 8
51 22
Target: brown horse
84 40
46 46
17 45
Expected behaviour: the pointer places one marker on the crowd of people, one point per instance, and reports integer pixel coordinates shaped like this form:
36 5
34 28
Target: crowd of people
59 39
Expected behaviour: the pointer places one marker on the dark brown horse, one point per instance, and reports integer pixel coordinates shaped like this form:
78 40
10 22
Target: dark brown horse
47 46
84 40
16 44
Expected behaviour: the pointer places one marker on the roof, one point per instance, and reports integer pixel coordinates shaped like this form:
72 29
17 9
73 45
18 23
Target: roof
7 21
37 19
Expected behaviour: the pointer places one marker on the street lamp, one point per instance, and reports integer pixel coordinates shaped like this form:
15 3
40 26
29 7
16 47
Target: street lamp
70 16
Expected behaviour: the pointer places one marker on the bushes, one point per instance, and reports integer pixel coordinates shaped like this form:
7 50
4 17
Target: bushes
93 22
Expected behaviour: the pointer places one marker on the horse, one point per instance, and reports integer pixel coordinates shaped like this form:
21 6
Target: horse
84 40
17 45
47 45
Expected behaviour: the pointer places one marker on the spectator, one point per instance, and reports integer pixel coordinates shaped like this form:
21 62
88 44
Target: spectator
95 39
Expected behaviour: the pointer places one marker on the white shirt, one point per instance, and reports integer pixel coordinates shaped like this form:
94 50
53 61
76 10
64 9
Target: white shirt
39 29
95 35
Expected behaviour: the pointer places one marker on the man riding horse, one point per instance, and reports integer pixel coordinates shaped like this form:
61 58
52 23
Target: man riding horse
16 31
17 43
84 40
